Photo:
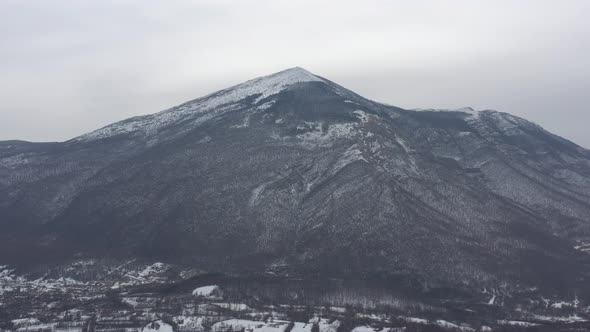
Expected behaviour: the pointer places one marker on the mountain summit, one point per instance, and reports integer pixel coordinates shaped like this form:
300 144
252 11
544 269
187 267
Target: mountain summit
294 174
260 88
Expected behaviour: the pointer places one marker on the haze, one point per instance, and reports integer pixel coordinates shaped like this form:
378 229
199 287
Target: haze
68 67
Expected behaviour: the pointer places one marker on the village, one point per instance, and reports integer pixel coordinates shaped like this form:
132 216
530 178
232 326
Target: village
132 297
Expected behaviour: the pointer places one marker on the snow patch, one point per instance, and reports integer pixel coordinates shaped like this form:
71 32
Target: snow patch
362 115
492 300
237 325
265 106
326 326
256 193
335 131
370 329
301 327
212 291
414 320
449 325
338 309
189 323
157 326
517 323
153 269
205 139
233 306
561 305
402 143
132 301
570 319
350 156
25 322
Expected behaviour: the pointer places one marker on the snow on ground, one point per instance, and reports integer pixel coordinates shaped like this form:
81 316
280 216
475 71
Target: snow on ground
264 86
338 309
189 323
370 329
157 326
38 328
256 193
326 326
492 301
373 316
583 246
5 272
266 105
205 139
212 291
132 301
362 115
452 326
318 137
413 320
153 269
363 329
570 319
150 274
302 327
351 155
24 322
561 305
517 323
238 325
233 306
402 143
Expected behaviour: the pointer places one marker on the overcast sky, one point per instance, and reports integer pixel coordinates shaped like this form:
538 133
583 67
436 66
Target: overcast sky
68 67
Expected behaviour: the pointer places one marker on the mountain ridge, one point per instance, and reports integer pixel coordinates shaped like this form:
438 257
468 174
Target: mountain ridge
294 170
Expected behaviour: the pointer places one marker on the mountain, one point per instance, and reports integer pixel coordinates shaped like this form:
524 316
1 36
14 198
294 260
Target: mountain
294 174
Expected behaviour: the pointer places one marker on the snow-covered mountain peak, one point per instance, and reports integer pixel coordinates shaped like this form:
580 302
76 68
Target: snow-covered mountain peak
261 87
297 73
264 86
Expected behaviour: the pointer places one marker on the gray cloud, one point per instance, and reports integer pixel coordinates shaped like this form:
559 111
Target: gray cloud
68 67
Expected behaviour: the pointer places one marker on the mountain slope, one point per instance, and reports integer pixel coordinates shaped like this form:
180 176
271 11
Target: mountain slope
293 173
